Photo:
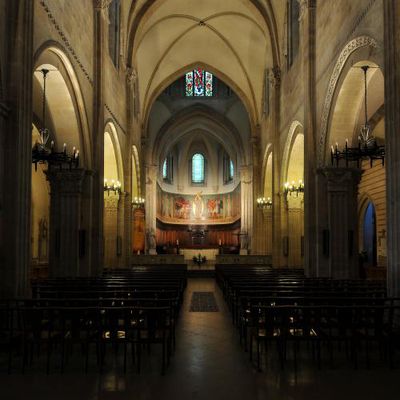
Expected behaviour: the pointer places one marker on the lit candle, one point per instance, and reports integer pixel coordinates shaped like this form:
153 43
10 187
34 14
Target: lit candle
52 144
177 242
220 242
65 147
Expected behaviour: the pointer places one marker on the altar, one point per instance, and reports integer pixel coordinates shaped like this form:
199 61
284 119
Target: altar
210 254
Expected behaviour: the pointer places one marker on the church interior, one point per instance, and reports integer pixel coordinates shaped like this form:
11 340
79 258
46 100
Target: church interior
199 199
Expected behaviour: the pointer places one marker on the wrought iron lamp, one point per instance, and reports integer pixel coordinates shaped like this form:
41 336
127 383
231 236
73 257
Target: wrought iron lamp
138 202
368 147
293 188
113 186
263 202
41 153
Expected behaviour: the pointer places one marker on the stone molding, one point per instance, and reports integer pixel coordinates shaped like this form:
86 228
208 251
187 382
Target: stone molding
65 40
115 118
353 45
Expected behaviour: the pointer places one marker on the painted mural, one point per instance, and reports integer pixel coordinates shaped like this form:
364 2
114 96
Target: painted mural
201 209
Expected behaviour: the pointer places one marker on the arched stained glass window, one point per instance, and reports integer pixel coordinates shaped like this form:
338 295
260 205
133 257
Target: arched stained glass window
198 168
231 170
199 83
165 169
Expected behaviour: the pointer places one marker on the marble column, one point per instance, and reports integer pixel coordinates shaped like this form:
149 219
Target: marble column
342 190
65 221
17 60
110 226
392 139
295 229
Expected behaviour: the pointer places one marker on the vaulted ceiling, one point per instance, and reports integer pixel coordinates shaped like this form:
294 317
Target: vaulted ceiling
231 38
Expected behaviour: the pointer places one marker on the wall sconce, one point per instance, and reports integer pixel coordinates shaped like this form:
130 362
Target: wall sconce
292 187
138 202
113 186
263 202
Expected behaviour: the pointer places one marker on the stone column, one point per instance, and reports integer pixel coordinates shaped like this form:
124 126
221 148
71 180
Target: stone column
246 202
65 221
392 129
295 229
110 226
278 259
100 40
267 231
307 30
17 141
342 190
151 199
86 267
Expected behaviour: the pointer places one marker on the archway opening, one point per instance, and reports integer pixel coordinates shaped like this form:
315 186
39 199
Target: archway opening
369 235
293 238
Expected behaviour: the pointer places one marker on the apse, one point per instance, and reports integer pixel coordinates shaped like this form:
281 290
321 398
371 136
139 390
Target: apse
200 129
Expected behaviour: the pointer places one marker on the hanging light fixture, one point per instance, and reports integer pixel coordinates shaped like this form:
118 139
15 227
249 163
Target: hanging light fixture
264 202
41 153
112 186
138 202
293 188
367 145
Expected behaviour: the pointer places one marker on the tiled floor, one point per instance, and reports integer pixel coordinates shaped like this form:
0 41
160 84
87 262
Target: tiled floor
208 364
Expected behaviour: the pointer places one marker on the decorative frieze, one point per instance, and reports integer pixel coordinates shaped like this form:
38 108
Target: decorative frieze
65 40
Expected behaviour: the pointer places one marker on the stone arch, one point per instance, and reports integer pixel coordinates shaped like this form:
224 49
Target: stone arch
355 47
348 104
136 177
53 54
111 130
293 142
267 177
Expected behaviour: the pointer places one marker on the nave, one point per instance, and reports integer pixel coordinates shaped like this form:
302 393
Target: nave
208 363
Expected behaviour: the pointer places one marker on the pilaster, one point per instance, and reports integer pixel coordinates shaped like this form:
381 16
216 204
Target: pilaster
342 188
66 236
392 139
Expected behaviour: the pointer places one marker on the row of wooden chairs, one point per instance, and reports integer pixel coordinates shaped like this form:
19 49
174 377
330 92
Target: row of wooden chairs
131 310
283 306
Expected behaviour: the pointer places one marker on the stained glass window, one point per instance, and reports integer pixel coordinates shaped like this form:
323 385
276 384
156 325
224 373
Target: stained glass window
198 168
189 84
199 83
231 170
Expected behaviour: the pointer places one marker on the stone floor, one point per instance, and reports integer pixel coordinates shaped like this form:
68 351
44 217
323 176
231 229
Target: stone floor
208 364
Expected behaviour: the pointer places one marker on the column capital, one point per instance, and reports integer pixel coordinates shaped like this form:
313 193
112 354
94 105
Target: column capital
131 76
151 173
100 5
341 177
246 174
275 77
304 6
66 180
111 201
